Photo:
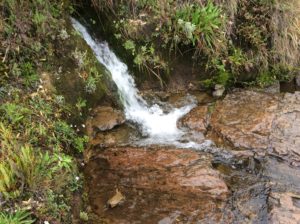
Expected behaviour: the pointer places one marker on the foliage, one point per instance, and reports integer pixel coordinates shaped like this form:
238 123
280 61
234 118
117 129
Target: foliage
245 38
19 217
199 25
37 165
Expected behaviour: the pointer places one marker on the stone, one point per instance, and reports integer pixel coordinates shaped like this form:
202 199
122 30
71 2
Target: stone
285 138
257 120
104 118
297 78
245 118
123 134
219 90
159 183
196 119
286 208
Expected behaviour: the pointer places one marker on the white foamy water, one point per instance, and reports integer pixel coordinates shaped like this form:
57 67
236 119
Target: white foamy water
160 127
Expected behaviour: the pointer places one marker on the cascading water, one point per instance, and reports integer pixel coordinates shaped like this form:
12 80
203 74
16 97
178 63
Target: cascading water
157 125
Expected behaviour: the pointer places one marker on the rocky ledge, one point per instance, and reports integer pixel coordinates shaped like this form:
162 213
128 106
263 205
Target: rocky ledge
253 120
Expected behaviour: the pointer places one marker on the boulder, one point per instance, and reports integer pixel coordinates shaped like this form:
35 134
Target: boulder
104 118
159 185
196 119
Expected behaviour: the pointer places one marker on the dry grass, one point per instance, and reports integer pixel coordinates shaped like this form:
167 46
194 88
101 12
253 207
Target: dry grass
286 36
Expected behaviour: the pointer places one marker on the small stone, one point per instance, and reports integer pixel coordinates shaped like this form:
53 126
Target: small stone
219 90
116 199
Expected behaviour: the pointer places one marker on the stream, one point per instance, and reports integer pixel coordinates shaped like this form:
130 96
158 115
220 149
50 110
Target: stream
185 164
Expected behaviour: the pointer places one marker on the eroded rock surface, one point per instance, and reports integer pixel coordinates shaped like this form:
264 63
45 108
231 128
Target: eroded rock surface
104 118
245 119
285 135
256 120
159 185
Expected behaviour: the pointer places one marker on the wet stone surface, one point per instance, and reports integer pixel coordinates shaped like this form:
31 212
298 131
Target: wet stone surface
160 185
255 178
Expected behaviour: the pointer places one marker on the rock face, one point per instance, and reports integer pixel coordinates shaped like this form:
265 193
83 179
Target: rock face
285 138
103 119
254 120
160 185
245 119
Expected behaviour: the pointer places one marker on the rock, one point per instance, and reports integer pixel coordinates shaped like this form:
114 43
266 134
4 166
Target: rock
274 88
286 208
219 90
245 118
256 120
116 199
159 184
285 138
123 134
103 119
196 119
297 79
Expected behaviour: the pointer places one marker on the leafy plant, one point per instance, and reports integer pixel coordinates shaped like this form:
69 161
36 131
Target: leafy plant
19 217
14 113
199 25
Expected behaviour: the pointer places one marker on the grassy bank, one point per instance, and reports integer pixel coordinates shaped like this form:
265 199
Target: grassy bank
48 78
236 42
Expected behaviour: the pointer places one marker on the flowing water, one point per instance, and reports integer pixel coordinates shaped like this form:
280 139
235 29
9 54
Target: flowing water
157 125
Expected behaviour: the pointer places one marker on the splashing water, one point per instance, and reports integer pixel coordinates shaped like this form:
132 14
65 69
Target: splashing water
156 124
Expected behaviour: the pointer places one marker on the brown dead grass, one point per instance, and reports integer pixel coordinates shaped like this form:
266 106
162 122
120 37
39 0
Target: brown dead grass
286 36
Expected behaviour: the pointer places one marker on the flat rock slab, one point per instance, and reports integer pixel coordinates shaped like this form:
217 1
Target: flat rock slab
160 185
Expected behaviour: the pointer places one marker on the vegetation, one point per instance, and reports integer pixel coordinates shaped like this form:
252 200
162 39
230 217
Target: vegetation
38 146
236 41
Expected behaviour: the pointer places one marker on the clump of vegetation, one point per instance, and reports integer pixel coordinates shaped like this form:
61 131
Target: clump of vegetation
236 41
19 217
38 147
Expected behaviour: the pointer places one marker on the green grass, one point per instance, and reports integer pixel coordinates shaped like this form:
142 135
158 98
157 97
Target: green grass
19 217
38 146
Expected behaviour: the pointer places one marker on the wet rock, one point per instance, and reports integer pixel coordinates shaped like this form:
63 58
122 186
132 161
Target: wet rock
123 134
196 119
286 209
103 119
245 119
159 184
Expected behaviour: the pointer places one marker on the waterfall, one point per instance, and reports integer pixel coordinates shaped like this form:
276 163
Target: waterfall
156 124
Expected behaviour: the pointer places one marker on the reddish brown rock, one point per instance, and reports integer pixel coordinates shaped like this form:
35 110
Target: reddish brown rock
286 208
196 119
158 184
245 119
103 119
